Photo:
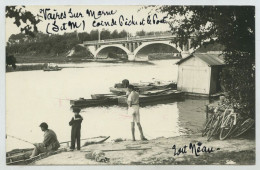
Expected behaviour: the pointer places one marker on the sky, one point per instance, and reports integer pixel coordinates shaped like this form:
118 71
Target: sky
118 13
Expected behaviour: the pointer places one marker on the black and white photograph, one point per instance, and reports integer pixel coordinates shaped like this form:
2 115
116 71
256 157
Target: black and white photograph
129 85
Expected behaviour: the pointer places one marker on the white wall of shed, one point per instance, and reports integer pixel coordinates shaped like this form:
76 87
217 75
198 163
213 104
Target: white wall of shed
194 76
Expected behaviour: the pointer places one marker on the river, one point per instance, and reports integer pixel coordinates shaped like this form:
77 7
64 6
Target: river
33 97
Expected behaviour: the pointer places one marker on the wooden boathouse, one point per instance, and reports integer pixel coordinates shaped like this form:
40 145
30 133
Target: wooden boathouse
199 74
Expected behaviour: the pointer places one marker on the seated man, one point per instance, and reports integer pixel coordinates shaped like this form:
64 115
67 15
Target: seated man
50 141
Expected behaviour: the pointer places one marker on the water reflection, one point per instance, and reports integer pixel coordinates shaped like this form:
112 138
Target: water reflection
36 96
192 114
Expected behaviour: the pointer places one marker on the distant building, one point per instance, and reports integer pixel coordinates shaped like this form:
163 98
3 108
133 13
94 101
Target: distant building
199 73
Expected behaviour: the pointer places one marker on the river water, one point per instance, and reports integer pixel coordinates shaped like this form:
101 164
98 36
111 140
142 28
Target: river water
33 97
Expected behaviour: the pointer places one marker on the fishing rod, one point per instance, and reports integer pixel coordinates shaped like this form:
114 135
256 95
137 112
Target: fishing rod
19 139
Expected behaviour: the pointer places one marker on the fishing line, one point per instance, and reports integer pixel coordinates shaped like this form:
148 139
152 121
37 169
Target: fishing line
19 139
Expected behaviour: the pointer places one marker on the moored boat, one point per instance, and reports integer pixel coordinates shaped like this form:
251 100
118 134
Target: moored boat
103 96
52 69
22 156
118 91
143 87
156 97
93 102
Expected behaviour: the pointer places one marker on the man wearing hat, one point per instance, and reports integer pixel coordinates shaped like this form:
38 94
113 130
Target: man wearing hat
75 124
50 141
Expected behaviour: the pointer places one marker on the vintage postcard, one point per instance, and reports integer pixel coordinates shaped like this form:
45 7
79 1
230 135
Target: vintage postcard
130 85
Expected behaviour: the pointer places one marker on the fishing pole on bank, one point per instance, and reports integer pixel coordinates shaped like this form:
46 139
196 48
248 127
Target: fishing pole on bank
18 139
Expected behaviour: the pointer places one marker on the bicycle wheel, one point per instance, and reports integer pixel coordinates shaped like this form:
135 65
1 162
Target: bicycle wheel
225 131
246 125
207 126
213 128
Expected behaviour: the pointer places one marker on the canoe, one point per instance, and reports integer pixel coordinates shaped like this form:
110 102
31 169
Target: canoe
52 69
98 140
90 141
22 156
103 96
153 98
93 102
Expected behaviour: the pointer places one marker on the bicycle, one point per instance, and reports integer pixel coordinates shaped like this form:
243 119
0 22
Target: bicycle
212 125
228 123
208 125
245 126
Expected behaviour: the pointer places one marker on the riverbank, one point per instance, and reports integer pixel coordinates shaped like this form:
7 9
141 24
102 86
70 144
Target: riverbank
62 58
26 67
240 151
40 66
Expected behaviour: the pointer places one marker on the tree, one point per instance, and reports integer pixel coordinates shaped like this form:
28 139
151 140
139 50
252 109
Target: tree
234 28
22 16
94 35
140 33
105 34
114 34
122 34
84 36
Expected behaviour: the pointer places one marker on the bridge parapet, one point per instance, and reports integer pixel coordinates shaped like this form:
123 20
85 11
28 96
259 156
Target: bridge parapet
131 39
132 45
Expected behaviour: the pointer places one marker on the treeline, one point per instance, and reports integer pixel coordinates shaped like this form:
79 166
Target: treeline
41 44
55 44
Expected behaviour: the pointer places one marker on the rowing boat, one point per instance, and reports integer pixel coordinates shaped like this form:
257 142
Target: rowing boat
142 88
22 156
93 102
52 69
103 96
154 97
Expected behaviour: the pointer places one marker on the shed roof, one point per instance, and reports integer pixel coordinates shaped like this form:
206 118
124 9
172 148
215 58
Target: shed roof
210 59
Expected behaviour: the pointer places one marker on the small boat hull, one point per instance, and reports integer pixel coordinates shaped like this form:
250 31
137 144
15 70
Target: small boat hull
93 102
146 99
142 88
52 69
22 156
103 96
118 91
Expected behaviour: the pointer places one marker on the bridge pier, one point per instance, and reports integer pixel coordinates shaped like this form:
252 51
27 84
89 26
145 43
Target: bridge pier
131 57
185 54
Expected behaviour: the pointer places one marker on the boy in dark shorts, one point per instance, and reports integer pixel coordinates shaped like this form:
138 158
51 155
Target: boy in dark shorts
75 124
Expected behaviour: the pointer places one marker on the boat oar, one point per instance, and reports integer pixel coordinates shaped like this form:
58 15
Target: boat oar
19 139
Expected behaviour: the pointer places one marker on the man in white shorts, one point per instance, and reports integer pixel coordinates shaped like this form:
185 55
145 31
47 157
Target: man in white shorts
133 109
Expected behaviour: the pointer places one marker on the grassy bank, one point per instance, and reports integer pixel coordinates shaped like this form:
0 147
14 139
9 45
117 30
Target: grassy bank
41 58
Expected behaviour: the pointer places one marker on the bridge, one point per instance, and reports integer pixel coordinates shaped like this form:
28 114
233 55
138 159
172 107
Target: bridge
132 45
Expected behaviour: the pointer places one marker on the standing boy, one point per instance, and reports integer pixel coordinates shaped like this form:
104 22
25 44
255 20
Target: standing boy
133 109
75 124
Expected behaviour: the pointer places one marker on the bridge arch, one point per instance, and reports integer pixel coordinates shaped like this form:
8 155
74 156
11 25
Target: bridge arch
155 42
112 45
